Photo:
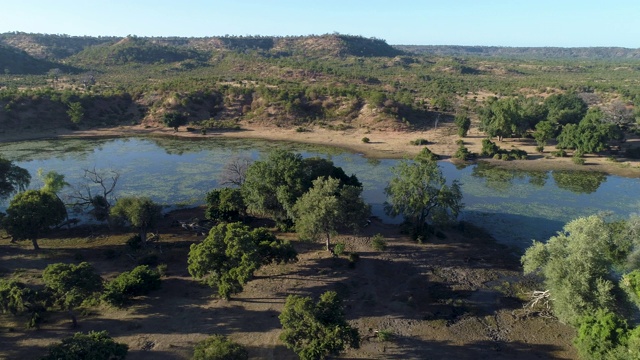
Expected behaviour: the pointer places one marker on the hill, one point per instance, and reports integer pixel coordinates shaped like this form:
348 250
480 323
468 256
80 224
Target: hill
524 52
15 61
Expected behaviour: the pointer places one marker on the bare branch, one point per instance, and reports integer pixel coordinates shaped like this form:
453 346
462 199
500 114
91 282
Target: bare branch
234 171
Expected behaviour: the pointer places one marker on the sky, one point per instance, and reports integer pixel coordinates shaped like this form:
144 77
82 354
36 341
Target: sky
563 23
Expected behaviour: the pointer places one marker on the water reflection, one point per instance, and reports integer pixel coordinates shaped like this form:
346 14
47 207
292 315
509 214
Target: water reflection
513 205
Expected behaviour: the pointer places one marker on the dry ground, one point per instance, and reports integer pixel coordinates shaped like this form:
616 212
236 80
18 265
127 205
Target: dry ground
452 298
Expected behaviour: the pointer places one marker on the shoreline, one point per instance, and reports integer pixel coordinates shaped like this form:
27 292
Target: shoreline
382 145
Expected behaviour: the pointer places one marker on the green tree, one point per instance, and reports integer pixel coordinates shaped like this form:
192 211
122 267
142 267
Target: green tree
326 207
75 112
173 119
545 130
231 253
463 123
566 108
418 191
225 204
53 181
17 298
94 346
273 185
502 118
141 212
72 284
590 135
139 281
599 334
31 214
316 331
577 266
12 178
218 347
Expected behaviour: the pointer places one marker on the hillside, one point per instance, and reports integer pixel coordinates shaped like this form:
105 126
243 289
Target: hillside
603 53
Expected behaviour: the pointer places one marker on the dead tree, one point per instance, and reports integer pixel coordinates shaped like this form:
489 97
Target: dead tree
102 200
235 171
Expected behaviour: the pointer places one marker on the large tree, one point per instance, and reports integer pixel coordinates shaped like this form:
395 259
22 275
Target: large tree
32 213
231 253
72 284
419 192
141 212
94 345
502 118
326 207
273 185
590 135
578 264
315 331
12 178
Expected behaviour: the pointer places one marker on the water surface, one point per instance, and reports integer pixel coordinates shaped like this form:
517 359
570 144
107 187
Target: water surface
514 206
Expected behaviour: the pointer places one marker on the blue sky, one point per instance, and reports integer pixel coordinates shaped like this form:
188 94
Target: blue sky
566 23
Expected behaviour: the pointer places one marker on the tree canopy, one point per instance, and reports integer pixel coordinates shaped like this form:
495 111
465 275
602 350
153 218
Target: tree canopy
231 253
72 284
141 212
577 265
419 192
32 213
94 345
273 185
12 178
316 330
326 207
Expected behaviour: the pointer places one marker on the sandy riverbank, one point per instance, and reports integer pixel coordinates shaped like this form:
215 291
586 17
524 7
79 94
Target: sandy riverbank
383 144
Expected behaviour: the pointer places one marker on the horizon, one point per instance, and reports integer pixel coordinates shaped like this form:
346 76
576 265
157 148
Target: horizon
314 35
497 23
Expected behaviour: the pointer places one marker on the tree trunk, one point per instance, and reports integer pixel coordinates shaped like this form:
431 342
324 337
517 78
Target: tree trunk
143 237
35 244
328 243
74 320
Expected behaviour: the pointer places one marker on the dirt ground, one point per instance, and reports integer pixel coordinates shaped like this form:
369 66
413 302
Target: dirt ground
383 143
451 298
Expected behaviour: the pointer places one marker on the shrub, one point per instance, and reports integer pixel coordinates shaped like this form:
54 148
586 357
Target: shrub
462 153
578 160
384 335
353 259
139 281
338 249
218 347
489 148
419 142
504 157
540 149
427 155
378 242
94 346
600 333
366 140
559 153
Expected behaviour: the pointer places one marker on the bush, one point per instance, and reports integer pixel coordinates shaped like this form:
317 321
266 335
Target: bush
338 249
462 153
218 347
578 160
540 149
139 281
94 346
600 333
378 242
489 148
559 153
419 142
427 155
366 140
384 335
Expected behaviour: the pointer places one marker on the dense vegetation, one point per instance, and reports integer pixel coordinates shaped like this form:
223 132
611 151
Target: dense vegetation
334 81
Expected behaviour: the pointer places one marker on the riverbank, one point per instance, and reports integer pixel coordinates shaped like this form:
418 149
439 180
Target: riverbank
382 144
